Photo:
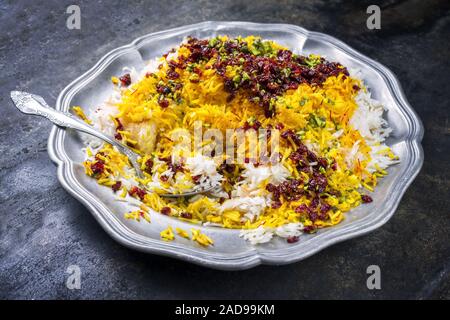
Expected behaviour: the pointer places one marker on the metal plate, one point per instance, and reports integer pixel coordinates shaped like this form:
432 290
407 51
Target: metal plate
229 251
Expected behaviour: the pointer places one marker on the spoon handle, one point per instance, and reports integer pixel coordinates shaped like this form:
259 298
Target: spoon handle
33 104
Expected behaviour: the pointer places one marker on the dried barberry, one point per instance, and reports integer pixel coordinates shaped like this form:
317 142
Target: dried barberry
292 239
309 229
136 191
196 178
163 103
125 80
165 211
98 167
119 125
276 204
301 208
318 182
172 74
149 166
186 215
116 186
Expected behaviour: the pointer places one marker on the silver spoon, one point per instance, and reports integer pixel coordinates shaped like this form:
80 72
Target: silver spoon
33 104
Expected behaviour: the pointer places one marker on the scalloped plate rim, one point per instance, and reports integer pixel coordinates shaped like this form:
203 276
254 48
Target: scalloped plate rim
252 257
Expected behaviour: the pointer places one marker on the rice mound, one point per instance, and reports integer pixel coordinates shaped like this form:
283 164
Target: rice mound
331 141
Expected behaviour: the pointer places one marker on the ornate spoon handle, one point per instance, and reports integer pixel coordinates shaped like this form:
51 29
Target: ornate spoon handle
33 104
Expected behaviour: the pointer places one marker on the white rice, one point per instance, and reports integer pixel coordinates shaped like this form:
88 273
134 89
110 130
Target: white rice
252 207
198 165
258 235
255 176
204 167
264 235
289 230
368 120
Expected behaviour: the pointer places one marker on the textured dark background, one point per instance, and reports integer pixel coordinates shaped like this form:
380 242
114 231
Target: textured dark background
43 229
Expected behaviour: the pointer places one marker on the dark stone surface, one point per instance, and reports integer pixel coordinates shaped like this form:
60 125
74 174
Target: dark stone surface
43 229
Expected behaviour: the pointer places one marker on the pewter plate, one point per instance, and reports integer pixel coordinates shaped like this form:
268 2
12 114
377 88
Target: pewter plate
229 251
